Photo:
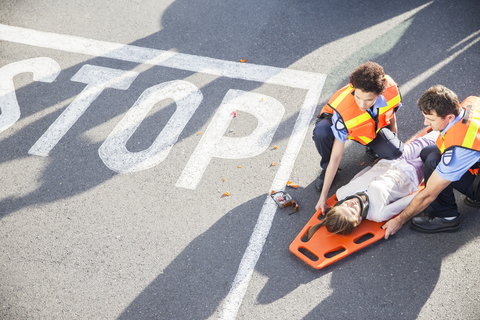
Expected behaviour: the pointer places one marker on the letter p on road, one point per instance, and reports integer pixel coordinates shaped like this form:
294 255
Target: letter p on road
214 143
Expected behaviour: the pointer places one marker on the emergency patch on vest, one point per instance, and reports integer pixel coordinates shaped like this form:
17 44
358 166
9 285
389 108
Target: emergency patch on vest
339 125
447 157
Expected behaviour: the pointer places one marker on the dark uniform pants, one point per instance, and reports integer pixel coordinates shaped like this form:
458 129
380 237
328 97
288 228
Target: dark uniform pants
445 205
386 144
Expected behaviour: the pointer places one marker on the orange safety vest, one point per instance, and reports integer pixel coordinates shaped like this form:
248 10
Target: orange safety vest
360 124
465 133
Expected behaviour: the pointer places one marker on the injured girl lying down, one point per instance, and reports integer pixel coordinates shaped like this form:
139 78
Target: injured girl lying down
378 192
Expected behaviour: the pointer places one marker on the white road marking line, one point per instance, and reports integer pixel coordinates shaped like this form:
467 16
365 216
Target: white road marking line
114 152
262 228
97 48
97 79
313 82
269 113
43 69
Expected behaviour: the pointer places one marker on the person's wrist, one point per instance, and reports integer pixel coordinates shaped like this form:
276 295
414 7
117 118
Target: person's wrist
401 219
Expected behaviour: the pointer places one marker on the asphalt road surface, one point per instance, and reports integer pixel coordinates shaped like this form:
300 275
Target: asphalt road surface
140 141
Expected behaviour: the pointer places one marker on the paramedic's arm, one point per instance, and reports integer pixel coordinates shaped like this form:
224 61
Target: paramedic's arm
335 158
422 200
393 124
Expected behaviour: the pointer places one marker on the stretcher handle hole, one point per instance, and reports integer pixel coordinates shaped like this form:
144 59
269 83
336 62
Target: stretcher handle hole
334 252
307 253
364 238
305 238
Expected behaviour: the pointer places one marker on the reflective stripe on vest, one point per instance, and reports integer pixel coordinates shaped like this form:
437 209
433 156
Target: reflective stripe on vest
355 121
465 133
341 96
358 120
360 124
472 131
364 139
392 101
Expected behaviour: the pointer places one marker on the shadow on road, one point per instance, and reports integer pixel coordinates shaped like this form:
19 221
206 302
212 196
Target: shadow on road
380 281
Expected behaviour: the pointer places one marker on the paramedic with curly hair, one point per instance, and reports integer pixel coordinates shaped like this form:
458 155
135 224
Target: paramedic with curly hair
364 111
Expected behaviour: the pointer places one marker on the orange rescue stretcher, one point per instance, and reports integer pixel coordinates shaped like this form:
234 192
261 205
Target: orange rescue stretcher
324 247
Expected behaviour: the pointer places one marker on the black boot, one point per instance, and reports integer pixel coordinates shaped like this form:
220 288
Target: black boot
371 155
319 181
321 178
472 202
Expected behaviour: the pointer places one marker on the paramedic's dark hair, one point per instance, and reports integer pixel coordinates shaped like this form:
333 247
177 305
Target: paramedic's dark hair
369 77
441 100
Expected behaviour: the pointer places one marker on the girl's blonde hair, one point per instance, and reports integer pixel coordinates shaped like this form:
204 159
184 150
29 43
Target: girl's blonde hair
335 222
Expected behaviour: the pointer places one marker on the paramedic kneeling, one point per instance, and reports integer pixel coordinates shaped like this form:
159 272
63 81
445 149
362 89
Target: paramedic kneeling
447 165
364 111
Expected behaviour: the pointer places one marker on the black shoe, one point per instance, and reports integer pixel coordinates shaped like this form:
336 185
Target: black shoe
371 155
472 202
427 223
319 181
321 178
